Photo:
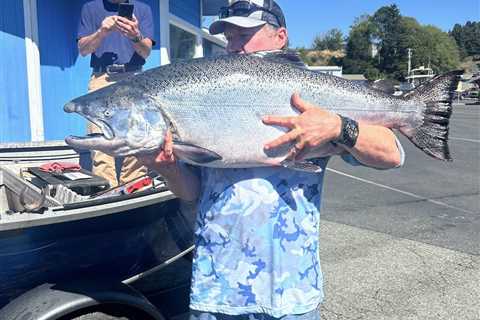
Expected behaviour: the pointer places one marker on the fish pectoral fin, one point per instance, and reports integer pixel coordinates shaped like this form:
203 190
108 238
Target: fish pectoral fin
305 165
194 153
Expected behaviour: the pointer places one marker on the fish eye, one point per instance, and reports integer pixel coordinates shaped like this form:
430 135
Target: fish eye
108 113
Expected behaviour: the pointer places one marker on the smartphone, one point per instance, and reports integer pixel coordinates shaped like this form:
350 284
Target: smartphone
125 10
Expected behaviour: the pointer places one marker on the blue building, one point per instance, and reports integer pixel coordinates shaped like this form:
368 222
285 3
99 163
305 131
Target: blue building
41 69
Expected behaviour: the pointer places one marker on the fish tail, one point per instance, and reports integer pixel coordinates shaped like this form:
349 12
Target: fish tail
432 135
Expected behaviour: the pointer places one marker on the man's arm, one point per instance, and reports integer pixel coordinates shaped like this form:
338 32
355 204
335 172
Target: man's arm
88 44
143 47
131 30
182 180
376 146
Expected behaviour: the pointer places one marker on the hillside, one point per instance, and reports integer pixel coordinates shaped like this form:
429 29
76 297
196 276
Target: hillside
471 64
321 57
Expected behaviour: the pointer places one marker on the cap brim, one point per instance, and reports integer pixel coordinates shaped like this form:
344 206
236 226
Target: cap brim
243 22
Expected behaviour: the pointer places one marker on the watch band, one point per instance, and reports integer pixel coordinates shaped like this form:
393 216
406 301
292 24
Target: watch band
137 38
348 133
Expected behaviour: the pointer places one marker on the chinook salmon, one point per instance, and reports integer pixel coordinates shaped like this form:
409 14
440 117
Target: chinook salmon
214 109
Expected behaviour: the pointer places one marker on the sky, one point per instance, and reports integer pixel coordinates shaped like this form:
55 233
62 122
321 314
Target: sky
308 18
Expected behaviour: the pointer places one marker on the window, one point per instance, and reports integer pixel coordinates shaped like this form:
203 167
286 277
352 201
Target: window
211 49
182 44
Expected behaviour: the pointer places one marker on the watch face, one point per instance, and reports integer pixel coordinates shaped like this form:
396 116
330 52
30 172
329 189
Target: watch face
350 129
350 133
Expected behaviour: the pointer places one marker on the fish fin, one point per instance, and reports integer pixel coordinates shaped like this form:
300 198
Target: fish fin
432 135
194 153
306 165
282 56
475 80
386 86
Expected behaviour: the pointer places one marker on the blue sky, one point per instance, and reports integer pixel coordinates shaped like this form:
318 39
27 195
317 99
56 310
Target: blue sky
307 18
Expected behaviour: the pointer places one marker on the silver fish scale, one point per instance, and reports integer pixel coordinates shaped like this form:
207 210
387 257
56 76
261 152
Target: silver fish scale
210 99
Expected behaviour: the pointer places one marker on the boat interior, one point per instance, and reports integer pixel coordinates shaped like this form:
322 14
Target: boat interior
33 179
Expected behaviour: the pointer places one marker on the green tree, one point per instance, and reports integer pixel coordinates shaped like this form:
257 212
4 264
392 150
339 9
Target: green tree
358 50
431 46
393 34
390 32
331 40
467 38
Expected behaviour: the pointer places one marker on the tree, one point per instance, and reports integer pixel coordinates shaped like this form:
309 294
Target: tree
393 34
331 40
431 46
467 38
390 33
358 49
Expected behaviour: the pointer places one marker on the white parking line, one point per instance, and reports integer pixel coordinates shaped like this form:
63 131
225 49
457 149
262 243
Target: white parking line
464 139
402 192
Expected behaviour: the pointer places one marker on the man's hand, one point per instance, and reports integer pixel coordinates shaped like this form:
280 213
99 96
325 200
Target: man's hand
108 25
311 130
181 180
129 28
88 44
162 161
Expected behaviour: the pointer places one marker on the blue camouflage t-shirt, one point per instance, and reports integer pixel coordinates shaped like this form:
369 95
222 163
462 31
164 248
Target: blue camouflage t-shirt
257 242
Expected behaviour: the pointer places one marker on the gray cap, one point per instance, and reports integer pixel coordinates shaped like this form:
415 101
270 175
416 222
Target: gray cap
261 13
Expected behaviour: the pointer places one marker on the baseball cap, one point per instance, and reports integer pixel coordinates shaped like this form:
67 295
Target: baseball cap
249 14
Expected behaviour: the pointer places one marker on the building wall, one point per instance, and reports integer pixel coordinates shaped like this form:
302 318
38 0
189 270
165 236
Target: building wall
63 73
14 113
188 10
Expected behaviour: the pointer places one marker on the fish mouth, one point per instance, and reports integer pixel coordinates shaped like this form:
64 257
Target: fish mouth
95 141
89 136
85 141
107 131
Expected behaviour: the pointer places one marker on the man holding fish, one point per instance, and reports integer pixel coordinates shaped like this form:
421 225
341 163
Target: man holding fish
257 228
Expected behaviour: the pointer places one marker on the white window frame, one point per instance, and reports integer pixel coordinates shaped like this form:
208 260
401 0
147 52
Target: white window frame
199 33
35 103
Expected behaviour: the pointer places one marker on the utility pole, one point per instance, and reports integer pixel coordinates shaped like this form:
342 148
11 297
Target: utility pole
409 61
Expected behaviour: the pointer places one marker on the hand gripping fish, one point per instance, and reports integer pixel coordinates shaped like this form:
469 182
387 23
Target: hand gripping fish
214 108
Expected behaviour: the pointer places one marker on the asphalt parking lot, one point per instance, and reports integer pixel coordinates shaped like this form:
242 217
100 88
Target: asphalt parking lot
405 243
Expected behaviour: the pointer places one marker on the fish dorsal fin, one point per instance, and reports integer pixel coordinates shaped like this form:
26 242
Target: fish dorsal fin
282 56
385 86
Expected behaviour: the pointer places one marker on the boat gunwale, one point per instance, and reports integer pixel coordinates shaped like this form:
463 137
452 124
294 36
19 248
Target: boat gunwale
83 210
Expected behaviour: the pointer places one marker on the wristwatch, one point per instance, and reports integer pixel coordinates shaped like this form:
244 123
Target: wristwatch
348 133
138 38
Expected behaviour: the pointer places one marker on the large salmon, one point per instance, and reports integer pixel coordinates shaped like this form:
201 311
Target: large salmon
214 107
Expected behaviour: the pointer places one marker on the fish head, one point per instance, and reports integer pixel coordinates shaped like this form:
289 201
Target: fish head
129 121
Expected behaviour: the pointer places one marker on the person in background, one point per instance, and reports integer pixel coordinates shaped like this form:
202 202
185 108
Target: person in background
256 232
119 47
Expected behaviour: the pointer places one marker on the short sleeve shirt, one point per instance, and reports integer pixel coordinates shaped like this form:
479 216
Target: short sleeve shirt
257 242
115 48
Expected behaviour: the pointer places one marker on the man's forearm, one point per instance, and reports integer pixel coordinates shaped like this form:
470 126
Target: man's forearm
376 147
88 44
143 47
182 181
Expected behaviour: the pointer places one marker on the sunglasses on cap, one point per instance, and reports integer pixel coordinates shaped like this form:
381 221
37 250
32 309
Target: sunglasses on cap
246 8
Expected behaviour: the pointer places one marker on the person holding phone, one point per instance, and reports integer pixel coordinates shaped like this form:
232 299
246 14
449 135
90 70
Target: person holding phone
119 36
